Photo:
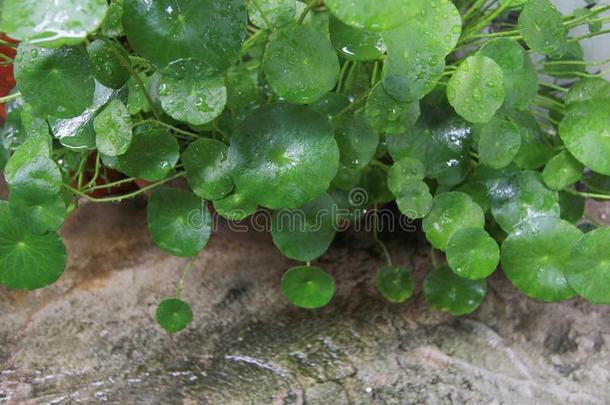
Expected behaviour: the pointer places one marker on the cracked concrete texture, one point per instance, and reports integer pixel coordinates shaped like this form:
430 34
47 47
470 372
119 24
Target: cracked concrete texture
92 338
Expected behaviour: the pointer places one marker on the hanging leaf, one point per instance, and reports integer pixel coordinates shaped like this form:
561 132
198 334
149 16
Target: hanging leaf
535 257
39 214
108 60
472 253
178 221
395 283
562 171
499 143
28 261
235 207
308 287
448 292
174 315
354 43
305 233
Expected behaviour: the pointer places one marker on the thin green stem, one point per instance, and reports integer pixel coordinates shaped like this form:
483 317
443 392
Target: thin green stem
374 74
589 35
309 7
554 87
263 16
473 9
125 196
550 101
96 174
168 126
486 21
127 64
376 237
342 75
361 98
185 272
589 195
10 97
574 62
583 18
249 43
380 165
512 33
546 117
111 184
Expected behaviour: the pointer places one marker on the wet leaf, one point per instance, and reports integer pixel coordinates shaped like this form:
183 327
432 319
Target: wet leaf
300 64
499 143
28 261
476 89
207 169
541 25
235 206
354 43
389 115
278 13
283 156
357 141
109 60
112 127
152 154
380 15
178 221
588 268
535 257
562 171
38 214
472 253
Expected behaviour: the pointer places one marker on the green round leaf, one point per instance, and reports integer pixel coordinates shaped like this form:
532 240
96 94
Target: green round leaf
472 253
589 88
77 133
403 170
38 214
572 52
586 134
520 75
192 93
107 60
163 31
178 221
37 178
113 129
347 178
283 156
207 169
28 261
357 141
308 287
300 64
515 198
414 199
378 15
235 207
448 292
152 154
305 233
277 13
331 104
395 283
52 23
534 151
541 25
476 89
389 115
174 315
535 257
588 267
112 26
442 21
562 171
355 44
451 212
56 82
412 68
499 143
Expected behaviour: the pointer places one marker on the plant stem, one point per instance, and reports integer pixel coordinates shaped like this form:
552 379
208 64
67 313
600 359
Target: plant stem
185 272
487 20
125 196
380 165
376 237
95 174
589 195
342 75
575 62
251 41
110 185
10 97
127 64
309 7
352 105
546 117
433 257
168 126
550 101
554 87
589 35
473 9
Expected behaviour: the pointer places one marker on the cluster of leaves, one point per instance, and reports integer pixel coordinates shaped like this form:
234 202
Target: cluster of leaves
478 116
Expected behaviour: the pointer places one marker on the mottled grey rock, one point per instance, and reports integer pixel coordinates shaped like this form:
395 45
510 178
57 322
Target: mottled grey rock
92 338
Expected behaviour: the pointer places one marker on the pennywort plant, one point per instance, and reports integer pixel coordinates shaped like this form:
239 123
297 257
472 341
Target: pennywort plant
479 117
